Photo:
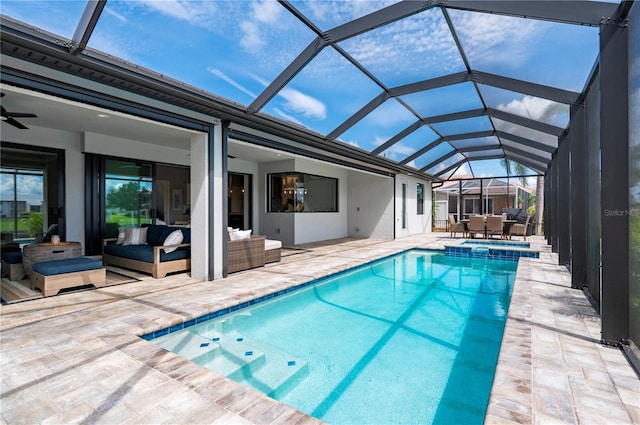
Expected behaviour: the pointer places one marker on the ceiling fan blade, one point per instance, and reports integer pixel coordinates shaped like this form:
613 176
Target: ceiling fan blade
15 123
21 115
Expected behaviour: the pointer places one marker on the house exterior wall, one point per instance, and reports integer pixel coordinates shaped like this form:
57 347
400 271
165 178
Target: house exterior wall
200 212
415 223
370 206
126 148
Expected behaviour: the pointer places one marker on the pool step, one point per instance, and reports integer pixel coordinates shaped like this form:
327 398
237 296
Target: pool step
280 374
186 344
234 359
260 366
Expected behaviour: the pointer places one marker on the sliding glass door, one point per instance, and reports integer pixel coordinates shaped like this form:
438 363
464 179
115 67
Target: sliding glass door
128 194
30 194
124 192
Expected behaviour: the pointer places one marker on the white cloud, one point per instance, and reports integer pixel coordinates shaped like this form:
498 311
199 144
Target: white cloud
421 43
202 14
267 11
494 39
402 150
286 116
379 140
535 108
263 13
329 12
301 103
251 39
115 14
231 81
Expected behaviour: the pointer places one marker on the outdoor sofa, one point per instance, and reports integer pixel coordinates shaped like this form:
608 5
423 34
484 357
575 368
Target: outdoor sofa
148 254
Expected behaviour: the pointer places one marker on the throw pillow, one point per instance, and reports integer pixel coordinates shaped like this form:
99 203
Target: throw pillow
239 235
135 236
174 238
120 236
230 230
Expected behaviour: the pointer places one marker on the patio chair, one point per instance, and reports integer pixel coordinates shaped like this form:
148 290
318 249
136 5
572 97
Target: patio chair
520 229
456 227
495 225
476 225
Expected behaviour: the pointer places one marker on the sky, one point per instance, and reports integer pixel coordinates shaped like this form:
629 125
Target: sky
30 188
235 49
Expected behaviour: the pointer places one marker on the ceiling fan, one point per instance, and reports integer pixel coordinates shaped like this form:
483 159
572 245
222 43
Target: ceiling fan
10 117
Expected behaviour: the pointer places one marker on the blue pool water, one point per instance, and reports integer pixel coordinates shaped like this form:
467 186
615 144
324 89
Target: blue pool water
412 338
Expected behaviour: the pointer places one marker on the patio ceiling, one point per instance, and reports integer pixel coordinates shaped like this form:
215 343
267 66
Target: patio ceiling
434 87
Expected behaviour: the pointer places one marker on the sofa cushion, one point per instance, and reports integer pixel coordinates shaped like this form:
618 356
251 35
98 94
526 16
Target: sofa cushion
145 253
135 236
239 235
12 257
186 234
121 235
270 244
155 233
68 265
174 238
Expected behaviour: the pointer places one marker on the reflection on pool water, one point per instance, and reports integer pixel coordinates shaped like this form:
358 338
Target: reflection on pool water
412 338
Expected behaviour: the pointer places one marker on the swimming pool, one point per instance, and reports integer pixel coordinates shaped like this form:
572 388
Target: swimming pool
413 338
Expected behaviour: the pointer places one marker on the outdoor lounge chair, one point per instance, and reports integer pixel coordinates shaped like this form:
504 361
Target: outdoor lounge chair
494 225
520 229
476 225
456 227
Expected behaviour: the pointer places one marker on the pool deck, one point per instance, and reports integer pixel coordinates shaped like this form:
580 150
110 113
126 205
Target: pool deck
77 358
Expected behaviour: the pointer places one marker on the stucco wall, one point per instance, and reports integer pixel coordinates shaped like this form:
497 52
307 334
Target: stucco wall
415 224
370 206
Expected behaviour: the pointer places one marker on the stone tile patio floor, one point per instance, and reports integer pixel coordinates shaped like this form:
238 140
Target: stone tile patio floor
77 357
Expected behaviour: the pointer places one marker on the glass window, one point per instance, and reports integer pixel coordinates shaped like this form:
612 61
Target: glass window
404 205
128 189
299 192
29 195
22 201
473 206
420 197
